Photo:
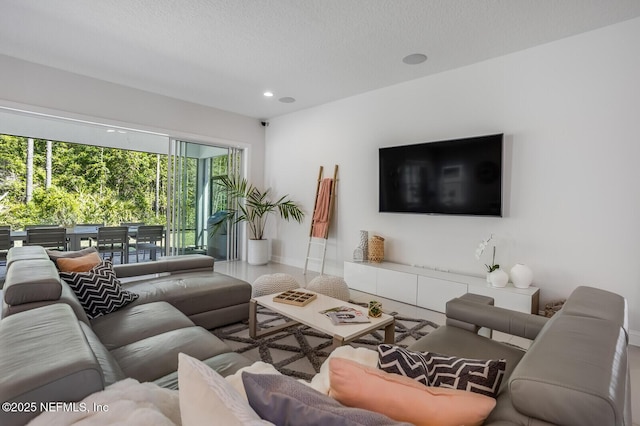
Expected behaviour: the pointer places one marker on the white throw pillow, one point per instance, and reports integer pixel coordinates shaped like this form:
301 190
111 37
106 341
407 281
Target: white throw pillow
364 356
206 398
257 367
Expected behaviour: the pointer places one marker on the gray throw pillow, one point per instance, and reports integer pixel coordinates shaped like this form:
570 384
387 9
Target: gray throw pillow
57 254
286 402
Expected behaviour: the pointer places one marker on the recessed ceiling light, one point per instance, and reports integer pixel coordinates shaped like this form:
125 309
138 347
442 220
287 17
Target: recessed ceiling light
414 59
287 100
111 130
268 94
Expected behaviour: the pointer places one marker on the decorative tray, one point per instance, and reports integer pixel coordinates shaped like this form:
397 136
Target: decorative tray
295 297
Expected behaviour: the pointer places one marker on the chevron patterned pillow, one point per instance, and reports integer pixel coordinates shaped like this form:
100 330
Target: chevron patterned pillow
98 290
394 359
473 375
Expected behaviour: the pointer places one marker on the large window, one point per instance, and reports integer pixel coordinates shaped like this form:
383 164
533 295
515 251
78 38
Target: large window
53 182
197 201
67 172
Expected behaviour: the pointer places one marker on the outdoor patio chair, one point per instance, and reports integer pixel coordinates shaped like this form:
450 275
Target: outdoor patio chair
54 238
149 237
132 226
90 240
114 239
5 243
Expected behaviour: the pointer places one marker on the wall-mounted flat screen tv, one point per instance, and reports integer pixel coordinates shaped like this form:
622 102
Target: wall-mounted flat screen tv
457 177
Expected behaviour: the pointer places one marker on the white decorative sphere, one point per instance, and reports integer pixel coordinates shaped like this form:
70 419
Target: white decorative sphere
521 275
499 278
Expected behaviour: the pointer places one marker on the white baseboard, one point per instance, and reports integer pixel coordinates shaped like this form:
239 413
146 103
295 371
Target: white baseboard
634 337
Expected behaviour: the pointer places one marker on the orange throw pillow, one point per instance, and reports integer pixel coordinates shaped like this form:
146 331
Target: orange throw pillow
405 399
78 264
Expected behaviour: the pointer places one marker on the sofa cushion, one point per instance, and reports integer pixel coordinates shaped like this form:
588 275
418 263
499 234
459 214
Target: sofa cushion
283 400
16 254
134 323
405 399
45 354
78 264
575 372
205 394
31 281
193 293
98 290
154 357
110 368
67 296
226 364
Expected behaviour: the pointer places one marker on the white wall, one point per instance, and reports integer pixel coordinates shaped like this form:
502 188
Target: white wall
47 90
569 111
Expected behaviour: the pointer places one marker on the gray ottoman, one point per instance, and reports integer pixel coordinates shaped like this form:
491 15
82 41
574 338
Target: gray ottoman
273 283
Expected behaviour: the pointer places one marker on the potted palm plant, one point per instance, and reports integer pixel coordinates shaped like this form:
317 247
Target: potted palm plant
254 208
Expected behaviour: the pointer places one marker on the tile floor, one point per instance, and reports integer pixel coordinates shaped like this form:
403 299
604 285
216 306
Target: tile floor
249 273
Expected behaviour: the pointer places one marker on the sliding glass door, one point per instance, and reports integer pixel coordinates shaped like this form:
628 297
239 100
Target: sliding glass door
197 220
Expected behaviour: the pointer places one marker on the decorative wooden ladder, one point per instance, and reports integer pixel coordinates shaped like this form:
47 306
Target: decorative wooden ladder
321 241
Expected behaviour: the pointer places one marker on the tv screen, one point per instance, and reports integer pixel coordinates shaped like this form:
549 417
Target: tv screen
458 177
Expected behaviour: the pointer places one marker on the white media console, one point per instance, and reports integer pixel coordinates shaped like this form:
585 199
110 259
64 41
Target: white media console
432 289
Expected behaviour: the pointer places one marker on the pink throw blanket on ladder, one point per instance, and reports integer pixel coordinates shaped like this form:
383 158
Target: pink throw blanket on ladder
320 227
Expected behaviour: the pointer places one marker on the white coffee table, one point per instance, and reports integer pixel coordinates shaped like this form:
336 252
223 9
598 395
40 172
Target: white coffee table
310 315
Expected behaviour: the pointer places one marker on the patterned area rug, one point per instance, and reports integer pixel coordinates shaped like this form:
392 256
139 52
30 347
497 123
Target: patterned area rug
299 350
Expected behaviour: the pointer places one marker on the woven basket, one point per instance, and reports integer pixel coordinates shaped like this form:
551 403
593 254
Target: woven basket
550 309
376 249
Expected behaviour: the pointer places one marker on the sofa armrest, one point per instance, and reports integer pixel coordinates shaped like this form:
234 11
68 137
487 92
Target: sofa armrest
170 264
495 318
576 372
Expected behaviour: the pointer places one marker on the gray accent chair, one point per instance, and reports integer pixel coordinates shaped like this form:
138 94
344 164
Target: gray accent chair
574 373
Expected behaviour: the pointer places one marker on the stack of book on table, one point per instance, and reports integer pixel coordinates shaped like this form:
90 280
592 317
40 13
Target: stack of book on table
346 315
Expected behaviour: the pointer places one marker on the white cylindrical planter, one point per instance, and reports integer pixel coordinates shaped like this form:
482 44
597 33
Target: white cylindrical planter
521 275
258 252
499 278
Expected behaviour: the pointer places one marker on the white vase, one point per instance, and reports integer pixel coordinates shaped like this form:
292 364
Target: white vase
521 275
499 278
258 252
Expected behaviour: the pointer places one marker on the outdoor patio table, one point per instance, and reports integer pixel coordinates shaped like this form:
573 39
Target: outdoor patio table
75 235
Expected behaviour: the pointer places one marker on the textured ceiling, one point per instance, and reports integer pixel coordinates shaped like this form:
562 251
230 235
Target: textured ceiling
226 53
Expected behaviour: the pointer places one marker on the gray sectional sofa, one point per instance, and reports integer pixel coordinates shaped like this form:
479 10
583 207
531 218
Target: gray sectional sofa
575 372
51 351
